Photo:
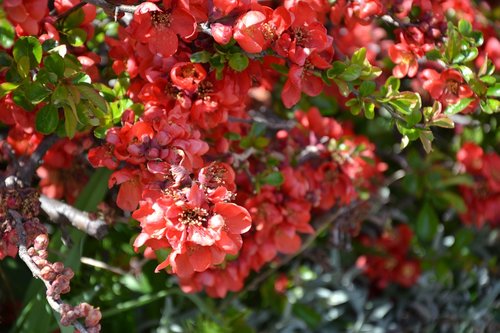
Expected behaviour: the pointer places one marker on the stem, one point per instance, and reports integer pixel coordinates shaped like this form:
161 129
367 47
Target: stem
27 166
111 7
23 254
63 213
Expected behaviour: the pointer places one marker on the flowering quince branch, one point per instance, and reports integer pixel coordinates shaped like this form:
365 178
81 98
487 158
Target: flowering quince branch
220 190
113 8
61 212
54 276
26 166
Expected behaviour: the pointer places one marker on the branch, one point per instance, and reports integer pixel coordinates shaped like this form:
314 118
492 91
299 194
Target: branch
111 7
63 213
23 254
26 167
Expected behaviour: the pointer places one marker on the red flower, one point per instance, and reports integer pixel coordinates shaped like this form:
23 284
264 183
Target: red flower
448 87
187 76
300 80
159 28
26 15
405 60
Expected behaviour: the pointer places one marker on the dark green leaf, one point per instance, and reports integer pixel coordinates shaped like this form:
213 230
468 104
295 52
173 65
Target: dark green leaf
307 314
28 47
70 122
454 200
55 63
367 88
19 97
36 92
433 55
90 93
47 119
427 222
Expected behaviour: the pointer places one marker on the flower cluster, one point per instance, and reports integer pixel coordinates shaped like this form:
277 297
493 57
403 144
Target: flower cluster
25 201
338 167
391 262
483 197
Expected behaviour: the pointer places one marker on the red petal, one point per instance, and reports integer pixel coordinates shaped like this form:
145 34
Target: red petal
237 218
200 258
164 42
183 23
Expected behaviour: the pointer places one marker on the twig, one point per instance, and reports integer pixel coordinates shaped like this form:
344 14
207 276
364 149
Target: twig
63 213
27 166
23 254
111 7
103 265
70 11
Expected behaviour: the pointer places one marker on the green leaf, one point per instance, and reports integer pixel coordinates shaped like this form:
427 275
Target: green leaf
406 102
19 97
307 314
7 87
343 87
28 47
90 93
274 178
36 92
70 122
465 27
494 91
77 37
74 19
426 138
444 122
414 117
238 61
200 57
427 222
23 66
47 119
457 107
433 55
455 200
369 109
351 73
367 88
359 56
7 34
55 63
338 67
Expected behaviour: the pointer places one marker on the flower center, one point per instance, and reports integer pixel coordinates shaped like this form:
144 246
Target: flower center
161 19
453 87
194 216
301 35
269 31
